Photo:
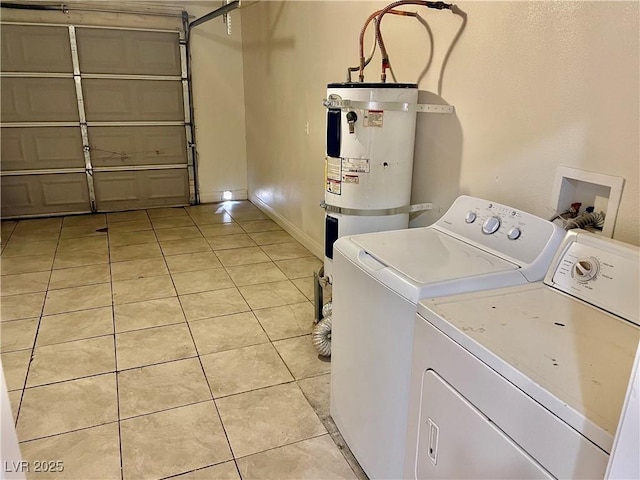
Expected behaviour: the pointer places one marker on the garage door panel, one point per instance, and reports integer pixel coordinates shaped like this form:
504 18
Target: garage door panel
35 49
39 100
65 189
16 194
40 148
153 145
136 53
108 100
168 184
115 188
44 194
141 189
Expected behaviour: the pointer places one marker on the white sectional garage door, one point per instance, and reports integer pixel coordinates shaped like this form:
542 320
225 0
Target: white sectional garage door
93 119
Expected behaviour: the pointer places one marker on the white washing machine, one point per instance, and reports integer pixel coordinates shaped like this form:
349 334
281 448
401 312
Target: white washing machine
379 278
528 381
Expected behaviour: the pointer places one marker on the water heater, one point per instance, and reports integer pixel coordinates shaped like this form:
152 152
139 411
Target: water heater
369 159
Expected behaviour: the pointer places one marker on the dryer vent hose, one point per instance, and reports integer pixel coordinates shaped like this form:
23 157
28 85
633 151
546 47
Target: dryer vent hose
586 220
321 337
326 309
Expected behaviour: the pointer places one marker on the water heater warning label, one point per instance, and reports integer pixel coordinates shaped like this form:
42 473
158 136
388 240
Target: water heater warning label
334 186
373 118
333 174
355 165
351 179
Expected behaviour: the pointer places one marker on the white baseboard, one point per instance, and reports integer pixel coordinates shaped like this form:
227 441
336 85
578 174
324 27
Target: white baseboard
310 244
216 196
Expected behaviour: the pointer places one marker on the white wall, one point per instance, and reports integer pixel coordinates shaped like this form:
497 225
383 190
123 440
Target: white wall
535 85
218 99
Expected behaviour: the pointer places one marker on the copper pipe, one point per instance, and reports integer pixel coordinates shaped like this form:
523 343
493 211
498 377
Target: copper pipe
387 9
364 29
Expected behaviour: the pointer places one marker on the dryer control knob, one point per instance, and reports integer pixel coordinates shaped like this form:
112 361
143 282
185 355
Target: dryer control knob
471 217
585 269
514 233
491 225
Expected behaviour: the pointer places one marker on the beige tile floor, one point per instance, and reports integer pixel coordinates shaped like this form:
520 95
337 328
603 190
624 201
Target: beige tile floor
172 342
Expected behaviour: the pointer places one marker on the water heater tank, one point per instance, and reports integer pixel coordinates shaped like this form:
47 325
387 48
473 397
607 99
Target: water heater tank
369 159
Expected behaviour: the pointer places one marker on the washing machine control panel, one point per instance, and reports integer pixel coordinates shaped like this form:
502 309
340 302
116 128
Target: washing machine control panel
495 219
506 230
601 272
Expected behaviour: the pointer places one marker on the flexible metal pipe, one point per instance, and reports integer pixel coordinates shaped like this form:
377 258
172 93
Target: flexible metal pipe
321 337
593 219
327 309
373 16
387 9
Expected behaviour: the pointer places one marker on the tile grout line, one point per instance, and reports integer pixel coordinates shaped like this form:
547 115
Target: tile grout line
4 243
128 369
35 337
53 435
169 409
197 470
71 379
115 351
286 444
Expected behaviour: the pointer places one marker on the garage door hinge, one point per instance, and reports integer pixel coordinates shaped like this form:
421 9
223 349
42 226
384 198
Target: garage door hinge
191 145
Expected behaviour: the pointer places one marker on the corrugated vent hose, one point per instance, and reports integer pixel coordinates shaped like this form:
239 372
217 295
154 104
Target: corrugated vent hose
326 309
585 220
321 336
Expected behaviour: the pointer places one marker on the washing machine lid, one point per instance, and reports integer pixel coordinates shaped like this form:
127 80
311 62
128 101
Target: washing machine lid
427 256
573 358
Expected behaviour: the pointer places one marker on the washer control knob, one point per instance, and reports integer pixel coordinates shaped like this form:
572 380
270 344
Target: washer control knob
491 225
471 217
585 269
514 233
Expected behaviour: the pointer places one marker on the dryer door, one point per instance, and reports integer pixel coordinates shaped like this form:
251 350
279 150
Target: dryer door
456 440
